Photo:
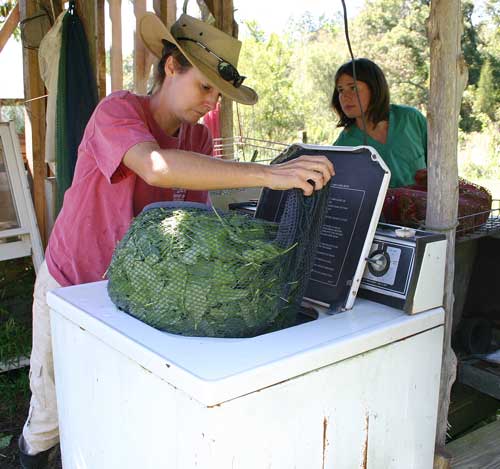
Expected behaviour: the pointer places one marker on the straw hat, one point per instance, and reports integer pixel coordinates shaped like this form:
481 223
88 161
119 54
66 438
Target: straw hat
212 51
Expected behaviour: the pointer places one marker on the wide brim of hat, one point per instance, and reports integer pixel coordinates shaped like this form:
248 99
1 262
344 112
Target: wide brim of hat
152 31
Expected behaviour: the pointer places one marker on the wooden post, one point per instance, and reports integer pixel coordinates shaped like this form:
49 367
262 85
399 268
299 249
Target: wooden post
9 26
143 59
91 14
139 50
448 76
35 124
116 55
166 10
223 12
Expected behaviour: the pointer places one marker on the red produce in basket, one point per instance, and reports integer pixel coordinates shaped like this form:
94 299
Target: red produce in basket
406 205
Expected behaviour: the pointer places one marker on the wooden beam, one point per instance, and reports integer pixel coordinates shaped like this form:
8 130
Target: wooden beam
142 58
442 459
35 124
166 10
116 54
223 11
91 14
447 80
9 26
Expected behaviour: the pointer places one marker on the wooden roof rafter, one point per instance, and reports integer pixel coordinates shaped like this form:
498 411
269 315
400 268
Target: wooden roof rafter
9 26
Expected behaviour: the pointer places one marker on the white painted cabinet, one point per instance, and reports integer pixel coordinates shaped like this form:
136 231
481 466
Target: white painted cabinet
358 389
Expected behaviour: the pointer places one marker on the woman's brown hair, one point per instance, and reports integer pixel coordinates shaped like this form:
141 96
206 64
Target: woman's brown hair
371 74
169 49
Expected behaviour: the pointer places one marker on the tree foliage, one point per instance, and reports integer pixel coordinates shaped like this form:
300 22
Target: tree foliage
486 91
392 34
293 73
5 8
278 112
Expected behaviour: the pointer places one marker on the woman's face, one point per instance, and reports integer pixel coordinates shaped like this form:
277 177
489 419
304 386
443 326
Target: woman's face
347 96
190 95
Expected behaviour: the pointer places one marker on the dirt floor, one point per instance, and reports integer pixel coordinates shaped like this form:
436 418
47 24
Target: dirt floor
16 290
14 405
9 454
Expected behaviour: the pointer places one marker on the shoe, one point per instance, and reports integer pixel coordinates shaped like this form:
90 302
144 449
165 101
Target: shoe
35 461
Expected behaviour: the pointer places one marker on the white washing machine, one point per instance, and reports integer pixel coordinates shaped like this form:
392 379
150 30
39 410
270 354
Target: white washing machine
355 389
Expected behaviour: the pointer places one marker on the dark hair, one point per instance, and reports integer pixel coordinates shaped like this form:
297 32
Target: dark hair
169 49
371 74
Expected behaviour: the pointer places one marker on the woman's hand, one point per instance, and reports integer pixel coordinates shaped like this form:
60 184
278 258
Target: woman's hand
187 170
307 172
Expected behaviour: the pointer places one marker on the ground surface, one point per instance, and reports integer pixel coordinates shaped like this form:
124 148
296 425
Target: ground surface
16 290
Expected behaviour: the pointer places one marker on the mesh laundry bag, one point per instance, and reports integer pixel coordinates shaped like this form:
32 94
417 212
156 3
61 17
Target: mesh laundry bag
188 269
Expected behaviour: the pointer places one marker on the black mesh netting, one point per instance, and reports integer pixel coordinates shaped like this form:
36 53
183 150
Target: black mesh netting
191 270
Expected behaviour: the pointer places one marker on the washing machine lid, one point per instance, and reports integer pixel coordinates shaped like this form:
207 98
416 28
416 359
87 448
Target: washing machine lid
357 193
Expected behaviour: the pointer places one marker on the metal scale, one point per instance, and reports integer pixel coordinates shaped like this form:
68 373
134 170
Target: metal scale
388 264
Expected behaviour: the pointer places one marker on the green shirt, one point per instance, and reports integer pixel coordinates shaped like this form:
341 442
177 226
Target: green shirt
405 150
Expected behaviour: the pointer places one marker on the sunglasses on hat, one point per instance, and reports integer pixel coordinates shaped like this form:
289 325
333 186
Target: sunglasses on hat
226 71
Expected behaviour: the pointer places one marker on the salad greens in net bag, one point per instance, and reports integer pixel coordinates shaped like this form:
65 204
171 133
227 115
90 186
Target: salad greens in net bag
189 269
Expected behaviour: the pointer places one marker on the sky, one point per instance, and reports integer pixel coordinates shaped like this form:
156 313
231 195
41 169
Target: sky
272 16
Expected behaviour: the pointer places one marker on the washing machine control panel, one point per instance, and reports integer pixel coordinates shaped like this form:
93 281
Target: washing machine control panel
401 265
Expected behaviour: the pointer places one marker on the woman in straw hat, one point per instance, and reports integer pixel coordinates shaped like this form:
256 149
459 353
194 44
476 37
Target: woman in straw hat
137 150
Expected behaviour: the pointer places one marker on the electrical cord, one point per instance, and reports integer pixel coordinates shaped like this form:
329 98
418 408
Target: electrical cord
346 31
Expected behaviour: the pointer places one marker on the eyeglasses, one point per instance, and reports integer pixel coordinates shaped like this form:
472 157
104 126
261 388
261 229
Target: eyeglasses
226 71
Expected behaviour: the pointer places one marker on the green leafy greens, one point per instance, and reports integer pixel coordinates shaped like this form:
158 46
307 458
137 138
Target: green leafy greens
201 273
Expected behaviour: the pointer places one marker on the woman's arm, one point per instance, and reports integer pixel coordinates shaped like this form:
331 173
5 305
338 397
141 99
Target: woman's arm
187 170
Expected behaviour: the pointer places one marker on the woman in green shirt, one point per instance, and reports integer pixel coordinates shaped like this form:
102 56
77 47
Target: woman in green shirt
398 133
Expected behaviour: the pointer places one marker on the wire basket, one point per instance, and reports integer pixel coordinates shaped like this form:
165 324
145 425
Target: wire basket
475 226
243 149
247 149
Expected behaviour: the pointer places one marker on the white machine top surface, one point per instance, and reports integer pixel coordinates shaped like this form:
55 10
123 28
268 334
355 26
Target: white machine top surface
216 370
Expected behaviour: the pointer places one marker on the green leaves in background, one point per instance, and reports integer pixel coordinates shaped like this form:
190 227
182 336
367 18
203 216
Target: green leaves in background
294 72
